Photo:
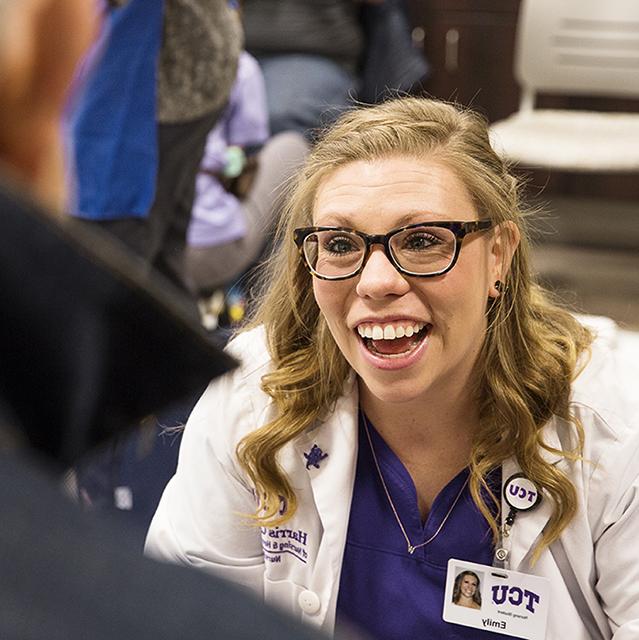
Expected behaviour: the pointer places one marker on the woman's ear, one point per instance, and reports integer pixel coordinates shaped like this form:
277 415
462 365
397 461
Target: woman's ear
44 40
505 240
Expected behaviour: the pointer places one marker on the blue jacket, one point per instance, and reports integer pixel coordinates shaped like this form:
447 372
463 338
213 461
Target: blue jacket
113 139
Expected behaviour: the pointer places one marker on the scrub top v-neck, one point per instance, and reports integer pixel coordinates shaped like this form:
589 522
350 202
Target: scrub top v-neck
387 592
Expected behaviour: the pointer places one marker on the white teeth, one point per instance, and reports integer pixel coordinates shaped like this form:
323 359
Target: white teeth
389 331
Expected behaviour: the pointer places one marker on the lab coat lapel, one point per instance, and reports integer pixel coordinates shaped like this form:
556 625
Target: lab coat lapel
332 484
529 524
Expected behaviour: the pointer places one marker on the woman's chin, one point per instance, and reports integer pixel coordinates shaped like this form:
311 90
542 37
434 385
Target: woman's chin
390 392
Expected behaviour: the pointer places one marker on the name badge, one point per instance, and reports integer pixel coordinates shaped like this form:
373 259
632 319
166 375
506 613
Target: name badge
497 600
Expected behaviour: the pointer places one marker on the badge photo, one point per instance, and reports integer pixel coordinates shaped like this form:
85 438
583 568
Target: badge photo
497 600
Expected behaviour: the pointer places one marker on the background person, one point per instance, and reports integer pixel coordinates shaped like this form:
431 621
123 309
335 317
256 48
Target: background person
240 183
318 56
467 590
155 88
402 365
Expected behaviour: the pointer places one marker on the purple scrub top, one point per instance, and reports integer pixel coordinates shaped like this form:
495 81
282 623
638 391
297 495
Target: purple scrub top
386 592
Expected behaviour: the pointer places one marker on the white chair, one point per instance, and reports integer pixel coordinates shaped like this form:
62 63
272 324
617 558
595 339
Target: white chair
574 48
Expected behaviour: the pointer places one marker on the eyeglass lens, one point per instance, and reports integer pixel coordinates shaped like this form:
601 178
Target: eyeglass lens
419 250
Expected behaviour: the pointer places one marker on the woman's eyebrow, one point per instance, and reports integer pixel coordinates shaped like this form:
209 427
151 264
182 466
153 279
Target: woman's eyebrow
334 219
415 217
337 219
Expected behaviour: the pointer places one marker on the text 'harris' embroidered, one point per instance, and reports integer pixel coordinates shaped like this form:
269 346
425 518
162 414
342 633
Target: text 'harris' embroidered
278 541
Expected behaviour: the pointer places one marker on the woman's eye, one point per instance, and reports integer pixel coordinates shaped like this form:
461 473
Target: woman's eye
420 241
340 245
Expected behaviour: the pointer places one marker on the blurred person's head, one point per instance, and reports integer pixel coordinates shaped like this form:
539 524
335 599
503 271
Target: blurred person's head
41 42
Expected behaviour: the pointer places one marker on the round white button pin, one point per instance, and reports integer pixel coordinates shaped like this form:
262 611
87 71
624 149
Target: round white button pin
520 493
309 602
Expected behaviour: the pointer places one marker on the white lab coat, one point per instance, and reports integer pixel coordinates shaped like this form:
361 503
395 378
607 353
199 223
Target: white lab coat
199 520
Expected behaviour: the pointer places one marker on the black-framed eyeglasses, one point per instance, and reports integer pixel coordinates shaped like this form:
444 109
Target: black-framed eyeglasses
424 250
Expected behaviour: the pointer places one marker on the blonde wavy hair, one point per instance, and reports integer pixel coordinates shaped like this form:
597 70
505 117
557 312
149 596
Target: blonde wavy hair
531 348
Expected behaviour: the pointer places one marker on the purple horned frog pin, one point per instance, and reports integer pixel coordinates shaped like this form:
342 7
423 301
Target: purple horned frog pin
314 457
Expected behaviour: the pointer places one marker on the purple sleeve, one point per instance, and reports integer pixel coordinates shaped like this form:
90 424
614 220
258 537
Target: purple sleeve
247 123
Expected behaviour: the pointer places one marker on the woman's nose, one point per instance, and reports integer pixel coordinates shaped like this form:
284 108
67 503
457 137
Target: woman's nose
379 277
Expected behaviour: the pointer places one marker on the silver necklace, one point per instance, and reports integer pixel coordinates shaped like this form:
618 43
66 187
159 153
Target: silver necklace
411 547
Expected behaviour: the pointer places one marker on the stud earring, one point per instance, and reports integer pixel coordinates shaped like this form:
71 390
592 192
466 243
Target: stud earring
499 285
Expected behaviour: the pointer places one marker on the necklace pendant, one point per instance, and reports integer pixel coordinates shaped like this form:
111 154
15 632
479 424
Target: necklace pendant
411 549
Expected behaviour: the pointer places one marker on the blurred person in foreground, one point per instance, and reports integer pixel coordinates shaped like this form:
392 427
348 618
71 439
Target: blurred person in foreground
79 322
413 404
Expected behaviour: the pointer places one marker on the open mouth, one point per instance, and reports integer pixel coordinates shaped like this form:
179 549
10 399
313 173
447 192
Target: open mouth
393 340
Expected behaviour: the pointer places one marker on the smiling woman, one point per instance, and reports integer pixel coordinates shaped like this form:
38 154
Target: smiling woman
403 366
466 591
435 363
